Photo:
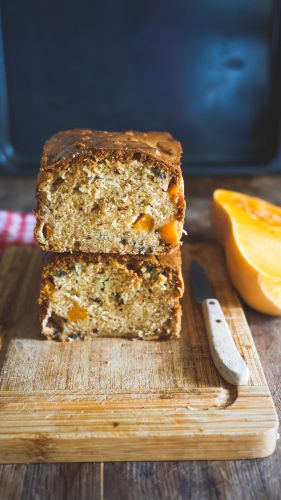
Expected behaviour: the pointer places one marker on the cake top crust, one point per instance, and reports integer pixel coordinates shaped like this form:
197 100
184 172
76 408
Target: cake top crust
65 261
158 147
171 260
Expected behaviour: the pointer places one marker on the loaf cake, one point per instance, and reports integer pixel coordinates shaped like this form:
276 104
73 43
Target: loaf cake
110 192
103 295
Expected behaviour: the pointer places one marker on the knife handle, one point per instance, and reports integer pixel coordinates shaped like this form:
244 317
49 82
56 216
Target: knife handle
226 357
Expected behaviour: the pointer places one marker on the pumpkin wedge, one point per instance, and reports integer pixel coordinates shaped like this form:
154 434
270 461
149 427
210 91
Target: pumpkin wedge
250 231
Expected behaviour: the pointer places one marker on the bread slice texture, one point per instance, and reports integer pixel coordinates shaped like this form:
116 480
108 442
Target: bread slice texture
110 192
93 295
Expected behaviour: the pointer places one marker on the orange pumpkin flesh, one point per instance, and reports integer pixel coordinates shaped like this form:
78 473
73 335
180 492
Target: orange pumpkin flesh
77 313
169 233
173 191
250 231
144 222
174 194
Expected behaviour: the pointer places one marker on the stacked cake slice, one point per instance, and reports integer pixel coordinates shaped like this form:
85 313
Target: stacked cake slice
111 208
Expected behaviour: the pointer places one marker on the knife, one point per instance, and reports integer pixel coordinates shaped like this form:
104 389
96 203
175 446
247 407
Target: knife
224 352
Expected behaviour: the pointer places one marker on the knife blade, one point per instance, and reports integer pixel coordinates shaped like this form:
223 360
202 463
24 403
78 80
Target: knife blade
224 352
201 286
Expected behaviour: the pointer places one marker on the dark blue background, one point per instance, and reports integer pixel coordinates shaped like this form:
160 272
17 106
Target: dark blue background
206 70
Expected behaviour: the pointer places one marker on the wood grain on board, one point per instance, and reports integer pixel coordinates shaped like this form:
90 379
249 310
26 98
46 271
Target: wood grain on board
116 399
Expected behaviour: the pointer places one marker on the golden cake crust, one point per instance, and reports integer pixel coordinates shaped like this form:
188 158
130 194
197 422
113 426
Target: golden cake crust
171 261
160 147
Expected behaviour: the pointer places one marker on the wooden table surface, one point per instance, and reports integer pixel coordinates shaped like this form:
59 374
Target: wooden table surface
245 479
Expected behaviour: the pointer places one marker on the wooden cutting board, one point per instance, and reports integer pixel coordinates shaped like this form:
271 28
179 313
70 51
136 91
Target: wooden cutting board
115 399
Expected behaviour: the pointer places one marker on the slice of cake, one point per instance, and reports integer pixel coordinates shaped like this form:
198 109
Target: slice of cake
93 295
111 192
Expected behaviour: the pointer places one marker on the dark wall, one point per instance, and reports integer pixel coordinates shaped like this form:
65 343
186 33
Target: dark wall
206 70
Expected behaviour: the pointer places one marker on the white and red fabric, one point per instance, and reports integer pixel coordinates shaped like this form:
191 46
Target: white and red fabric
16 228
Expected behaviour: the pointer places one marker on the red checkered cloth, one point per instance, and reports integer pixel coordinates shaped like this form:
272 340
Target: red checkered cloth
16 228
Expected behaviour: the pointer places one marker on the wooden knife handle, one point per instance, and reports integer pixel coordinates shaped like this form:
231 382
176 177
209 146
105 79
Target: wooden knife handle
226 357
